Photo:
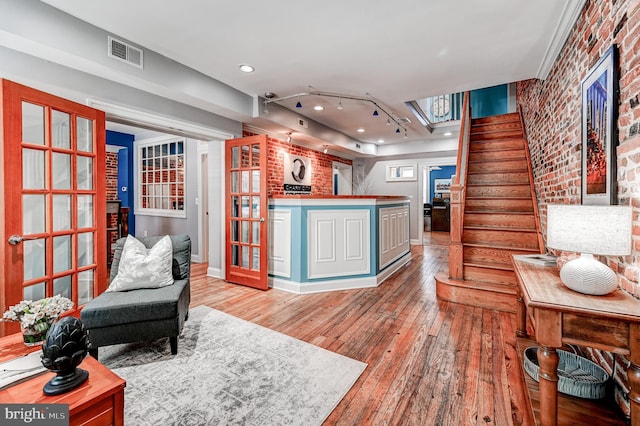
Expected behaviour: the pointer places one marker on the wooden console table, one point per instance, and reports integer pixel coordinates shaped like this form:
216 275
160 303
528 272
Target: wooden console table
560 315
98 401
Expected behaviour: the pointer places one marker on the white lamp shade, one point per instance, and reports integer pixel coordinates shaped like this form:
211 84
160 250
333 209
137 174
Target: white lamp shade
604 230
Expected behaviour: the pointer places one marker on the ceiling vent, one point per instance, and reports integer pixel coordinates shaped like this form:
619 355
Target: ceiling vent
124 52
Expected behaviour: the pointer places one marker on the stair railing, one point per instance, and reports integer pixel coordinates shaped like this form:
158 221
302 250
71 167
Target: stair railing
458 193
534 199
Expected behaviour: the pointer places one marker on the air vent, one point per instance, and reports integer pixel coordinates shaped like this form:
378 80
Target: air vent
124 52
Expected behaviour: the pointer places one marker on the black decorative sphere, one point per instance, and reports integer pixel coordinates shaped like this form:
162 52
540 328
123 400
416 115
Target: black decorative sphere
63 350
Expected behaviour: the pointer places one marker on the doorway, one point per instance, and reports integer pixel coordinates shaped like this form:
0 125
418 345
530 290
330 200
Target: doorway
435 181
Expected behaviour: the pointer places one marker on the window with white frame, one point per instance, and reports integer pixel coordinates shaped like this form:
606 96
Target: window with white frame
160 176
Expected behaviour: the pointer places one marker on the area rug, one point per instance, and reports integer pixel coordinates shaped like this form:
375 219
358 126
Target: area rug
230 372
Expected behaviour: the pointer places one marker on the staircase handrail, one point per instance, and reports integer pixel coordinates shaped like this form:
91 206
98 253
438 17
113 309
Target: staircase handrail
534 198
458 193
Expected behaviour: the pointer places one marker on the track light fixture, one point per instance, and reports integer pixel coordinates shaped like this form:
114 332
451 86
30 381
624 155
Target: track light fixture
379 109
325 148
289 137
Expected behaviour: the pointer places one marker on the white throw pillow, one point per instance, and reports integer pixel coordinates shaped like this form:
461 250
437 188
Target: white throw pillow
140 267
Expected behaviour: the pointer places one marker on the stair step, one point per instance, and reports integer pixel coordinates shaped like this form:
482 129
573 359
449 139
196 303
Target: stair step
498 205
499 219
502 118
482 294
497 178
492 127
503 238
480 255
498 191
496 134
490 275
499 166
496 155
496 144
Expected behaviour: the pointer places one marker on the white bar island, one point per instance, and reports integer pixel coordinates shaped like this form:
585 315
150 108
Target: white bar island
335 243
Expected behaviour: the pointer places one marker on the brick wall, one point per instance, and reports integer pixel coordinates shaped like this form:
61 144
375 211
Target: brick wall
322 166
112 175
552 116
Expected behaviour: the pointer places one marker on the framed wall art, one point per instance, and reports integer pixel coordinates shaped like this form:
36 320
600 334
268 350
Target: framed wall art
442 186
599 135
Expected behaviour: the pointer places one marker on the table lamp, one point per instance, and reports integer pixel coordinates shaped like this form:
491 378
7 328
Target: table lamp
589 230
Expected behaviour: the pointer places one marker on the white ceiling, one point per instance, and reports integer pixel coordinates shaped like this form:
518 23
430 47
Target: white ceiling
395 51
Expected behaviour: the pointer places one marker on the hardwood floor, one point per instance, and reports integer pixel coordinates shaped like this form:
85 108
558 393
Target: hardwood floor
430 362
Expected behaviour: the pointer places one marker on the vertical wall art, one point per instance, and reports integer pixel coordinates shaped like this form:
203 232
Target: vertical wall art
599 135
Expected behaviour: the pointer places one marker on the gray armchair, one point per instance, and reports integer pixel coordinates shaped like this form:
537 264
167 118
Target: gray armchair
143 314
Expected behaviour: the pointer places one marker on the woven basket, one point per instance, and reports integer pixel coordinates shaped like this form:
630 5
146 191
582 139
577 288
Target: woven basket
577 376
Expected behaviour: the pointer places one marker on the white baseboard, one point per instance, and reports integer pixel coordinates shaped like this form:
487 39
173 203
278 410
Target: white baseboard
215 273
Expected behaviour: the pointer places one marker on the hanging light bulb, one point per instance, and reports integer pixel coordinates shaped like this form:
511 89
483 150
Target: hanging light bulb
388 121
298 105
289 137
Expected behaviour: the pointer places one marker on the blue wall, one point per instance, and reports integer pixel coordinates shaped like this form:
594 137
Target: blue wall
125 172
445 173
490 101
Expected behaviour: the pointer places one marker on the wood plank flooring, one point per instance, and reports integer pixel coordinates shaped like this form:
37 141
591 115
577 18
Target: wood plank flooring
430 362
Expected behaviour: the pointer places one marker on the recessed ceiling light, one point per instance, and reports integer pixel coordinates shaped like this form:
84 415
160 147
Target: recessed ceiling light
318 107
447 133
246 68
380 140
360 130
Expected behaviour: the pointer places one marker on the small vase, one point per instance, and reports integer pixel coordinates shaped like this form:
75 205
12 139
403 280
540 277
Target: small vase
35 335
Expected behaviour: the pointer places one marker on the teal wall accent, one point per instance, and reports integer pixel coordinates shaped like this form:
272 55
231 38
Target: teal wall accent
490 101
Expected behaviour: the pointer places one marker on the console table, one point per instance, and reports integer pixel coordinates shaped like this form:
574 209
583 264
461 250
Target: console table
560 315
98 401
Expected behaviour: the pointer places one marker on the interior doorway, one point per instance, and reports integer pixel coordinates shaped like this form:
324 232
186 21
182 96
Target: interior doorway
435 181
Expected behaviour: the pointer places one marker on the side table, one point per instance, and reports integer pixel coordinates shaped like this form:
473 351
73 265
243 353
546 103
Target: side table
98 401
560 315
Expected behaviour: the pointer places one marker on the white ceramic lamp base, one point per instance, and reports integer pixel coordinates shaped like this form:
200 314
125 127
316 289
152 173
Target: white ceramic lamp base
588 276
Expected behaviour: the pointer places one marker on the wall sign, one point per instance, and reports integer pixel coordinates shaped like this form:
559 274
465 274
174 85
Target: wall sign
297 174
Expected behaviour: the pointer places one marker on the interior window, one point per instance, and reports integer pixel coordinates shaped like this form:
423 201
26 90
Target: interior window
161 165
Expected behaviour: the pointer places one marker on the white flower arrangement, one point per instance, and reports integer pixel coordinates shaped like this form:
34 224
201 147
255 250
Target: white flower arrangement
39 314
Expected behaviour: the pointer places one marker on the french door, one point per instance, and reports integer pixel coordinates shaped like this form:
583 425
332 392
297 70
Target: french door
246 209
53 207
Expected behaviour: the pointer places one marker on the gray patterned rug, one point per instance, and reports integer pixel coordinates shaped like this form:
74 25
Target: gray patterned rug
230 372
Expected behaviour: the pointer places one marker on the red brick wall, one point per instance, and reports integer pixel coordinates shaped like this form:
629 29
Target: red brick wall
322 166
552 116
112 175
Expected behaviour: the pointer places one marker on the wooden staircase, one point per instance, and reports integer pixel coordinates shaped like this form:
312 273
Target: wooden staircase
499 215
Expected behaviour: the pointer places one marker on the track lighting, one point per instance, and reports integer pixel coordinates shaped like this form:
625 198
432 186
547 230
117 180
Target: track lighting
379 108
325 148
289 137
